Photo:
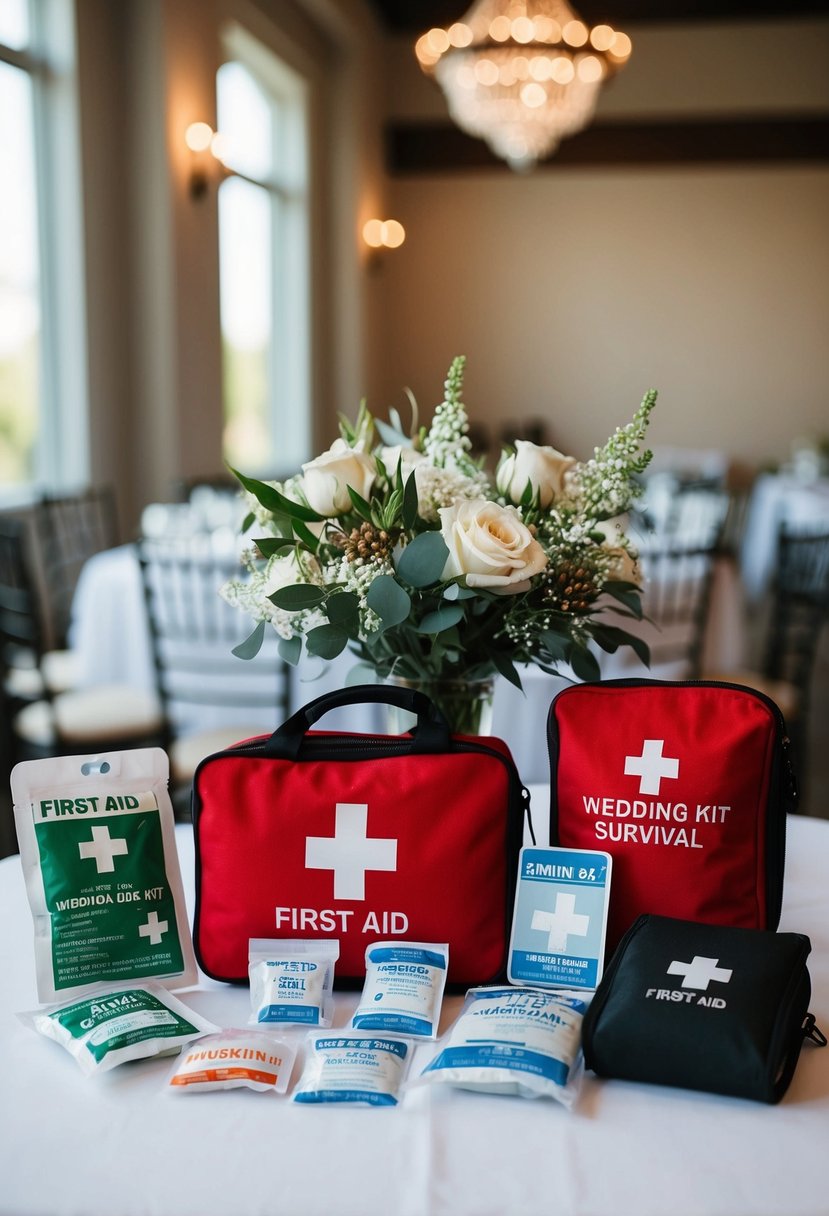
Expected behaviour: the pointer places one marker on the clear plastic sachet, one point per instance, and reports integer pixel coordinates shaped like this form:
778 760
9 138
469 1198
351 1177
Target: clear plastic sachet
234 1059
403 988
292 980
119 1022
519 1041
358 1069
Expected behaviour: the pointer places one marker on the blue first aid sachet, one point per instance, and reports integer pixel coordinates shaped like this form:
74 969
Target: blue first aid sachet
403 988
560 918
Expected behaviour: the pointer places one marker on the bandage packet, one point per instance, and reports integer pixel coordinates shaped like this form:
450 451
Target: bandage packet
292 980
403 988
98 849
117 1023
353 1068
523 1041
234 1059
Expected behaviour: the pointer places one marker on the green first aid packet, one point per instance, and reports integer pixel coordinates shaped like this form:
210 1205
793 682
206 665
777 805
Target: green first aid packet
112 1025
97 844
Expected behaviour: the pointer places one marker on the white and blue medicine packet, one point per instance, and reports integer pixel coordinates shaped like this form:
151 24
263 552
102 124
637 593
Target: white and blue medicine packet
403 988
353 1068
560 918
513 1041
292 980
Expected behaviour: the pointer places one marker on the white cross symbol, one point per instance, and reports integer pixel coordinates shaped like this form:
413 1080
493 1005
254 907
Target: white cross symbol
350 852
103 849
651 766
559 924
700 972
154 929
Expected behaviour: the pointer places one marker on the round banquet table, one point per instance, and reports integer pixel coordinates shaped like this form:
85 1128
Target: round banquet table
115 1144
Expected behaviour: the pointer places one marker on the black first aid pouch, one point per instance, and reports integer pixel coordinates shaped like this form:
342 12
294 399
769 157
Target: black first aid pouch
707 1007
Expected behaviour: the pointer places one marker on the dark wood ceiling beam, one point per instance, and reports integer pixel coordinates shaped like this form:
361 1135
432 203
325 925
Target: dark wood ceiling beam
444 148
415 16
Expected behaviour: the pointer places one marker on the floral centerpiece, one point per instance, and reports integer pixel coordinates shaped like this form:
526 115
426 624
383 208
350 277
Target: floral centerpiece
400 547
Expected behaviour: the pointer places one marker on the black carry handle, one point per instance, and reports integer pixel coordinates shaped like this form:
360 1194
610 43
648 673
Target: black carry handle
431 734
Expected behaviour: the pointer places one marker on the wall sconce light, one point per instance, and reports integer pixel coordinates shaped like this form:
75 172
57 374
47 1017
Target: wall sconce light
383 234
208 149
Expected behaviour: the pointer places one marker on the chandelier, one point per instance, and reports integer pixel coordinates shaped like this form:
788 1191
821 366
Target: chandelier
522 74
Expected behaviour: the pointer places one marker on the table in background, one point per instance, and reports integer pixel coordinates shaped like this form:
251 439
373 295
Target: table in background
778 498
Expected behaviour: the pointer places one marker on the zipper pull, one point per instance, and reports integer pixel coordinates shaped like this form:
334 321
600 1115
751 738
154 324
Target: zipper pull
525 798
812 1031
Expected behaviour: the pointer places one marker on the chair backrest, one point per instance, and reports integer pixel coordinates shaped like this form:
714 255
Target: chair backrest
800 607
21 627
201 683
676 598
73 528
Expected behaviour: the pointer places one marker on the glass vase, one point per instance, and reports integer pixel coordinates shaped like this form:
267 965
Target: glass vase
467 705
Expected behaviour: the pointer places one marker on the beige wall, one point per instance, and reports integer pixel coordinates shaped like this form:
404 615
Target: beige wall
573 291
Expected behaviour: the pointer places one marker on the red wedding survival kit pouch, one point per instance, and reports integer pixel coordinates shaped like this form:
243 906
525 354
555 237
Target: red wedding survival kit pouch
686 785
358 837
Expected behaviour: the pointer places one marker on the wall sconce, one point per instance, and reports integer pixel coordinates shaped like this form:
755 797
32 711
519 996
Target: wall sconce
383 234
208 148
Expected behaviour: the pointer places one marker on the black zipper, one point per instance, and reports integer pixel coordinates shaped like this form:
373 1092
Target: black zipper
783 791
602 994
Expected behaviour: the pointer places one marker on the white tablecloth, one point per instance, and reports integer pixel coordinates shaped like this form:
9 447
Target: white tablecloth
111 637
115 1145
777 499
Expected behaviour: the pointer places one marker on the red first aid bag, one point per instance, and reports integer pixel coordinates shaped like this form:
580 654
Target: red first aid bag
358 837
686 785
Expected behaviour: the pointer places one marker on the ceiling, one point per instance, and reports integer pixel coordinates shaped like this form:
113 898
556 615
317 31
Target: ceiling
414 16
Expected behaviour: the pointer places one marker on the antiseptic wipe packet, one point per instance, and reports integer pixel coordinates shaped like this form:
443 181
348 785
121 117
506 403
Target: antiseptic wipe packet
354 1068
292 980
234 1059
403 988
523 1041
116 1023
98 849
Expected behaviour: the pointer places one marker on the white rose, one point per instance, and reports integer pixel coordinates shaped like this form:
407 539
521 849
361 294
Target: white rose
625 561
325 481
490 545
544 468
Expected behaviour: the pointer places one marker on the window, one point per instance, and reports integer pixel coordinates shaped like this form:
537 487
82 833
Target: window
20 313
263 249
43 438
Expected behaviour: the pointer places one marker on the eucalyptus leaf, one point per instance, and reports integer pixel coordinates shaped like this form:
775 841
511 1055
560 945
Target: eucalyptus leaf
452 592
343 609
251 646
297 597
361 673
290 649
388 599
443 618
392 438
326 641
422 561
